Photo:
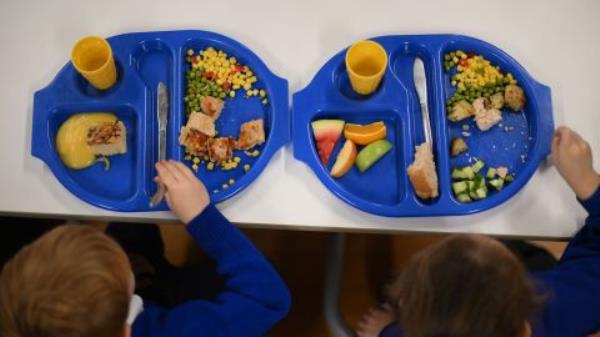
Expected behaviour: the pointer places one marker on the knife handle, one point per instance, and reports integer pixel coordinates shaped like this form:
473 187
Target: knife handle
162 145
158 196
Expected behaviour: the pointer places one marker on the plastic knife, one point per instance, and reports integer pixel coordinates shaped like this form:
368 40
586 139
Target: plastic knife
162 104
420 80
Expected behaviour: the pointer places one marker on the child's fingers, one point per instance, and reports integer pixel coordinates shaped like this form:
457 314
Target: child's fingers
184 170
566 138
555 143
165 174
173 170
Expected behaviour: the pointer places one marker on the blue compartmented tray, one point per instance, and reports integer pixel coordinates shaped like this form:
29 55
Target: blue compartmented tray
143 60
385 189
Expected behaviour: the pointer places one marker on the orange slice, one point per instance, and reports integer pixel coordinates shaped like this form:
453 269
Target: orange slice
365 134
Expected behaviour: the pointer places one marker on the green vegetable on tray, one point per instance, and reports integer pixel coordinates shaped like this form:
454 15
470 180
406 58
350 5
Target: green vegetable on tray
470 185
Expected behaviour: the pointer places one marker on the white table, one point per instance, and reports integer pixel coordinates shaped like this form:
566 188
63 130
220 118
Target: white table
557 41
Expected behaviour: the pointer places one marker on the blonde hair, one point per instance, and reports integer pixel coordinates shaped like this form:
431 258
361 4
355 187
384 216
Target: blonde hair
74 281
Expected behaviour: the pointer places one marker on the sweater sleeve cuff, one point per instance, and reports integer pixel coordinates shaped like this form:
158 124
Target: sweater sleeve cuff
592 204
209 225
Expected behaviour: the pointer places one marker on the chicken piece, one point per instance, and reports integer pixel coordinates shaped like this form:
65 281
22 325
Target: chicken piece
458 146
107 139
502 172
479 105
251 134
514 97
201 122
212 106
487 118
220 149
422 173
196 133
461 110
194 141
497 100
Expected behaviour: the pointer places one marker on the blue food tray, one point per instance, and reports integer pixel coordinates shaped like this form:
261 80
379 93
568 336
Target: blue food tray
520 144
143 60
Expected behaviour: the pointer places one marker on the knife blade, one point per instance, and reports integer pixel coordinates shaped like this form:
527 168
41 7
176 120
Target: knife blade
420 80
162 114
162 98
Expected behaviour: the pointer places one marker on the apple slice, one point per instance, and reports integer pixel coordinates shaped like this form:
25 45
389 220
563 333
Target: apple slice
344 160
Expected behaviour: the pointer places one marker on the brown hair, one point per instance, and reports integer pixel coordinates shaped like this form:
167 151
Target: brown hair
73 281
467 286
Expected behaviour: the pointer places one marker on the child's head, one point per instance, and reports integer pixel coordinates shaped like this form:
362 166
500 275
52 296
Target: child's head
465 285
73 281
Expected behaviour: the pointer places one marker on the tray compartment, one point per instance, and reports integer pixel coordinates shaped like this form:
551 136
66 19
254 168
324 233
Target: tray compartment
383 183
237 110
152 60
83 86
403 58
121 181
511 142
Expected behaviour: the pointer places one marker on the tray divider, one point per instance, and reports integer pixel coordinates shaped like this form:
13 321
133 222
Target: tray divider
440 128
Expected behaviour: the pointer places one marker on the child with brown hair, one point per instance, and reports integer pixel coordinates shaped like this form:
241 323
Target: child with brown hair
76 281
473 286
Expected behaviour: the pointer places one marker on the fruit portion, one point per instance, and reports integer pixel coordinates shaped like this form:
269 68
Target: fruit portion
371 154
344 160
327 132
365 134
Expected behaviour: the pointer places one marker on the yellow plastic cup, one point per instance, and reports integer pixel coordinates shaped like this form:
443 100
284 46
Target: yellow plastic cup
366 62
92 57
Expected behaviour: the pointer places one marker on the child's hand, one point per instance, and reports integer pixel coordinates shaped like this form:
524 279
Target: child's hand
186 195
572 157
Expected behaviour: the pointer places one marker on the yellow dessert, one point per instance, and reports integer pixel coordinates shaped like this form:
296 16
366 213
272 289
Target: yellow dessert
74 145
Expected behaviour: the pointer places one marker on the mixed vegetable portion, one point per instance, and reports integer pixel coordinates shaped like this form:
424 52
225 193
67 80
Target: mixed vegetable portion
470 185
213 77
483 90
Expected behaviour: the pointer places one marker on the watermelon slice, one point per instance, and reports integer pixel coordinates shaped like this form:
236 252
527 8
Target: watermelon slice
327 132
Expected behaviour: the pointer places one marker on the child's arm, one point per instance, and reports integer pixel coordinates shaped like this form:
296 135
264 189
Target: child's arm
254 298
573 287
572 157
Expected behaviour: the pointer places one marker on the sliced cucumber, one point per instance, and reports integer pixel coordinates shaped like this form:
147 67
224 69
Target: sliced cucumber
491 173
464 197
457 174
468 172
497 183
509 179
481 193
478 166
479 181
459 187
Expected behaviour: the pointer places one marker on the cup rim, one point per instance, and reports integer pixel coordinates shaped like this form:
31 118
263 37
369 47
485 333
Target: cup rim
378 46
84 39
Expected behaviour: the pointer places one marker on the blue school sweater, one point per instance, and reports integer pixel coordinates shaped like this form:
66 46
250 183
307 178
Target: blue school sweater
573 287
254 298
